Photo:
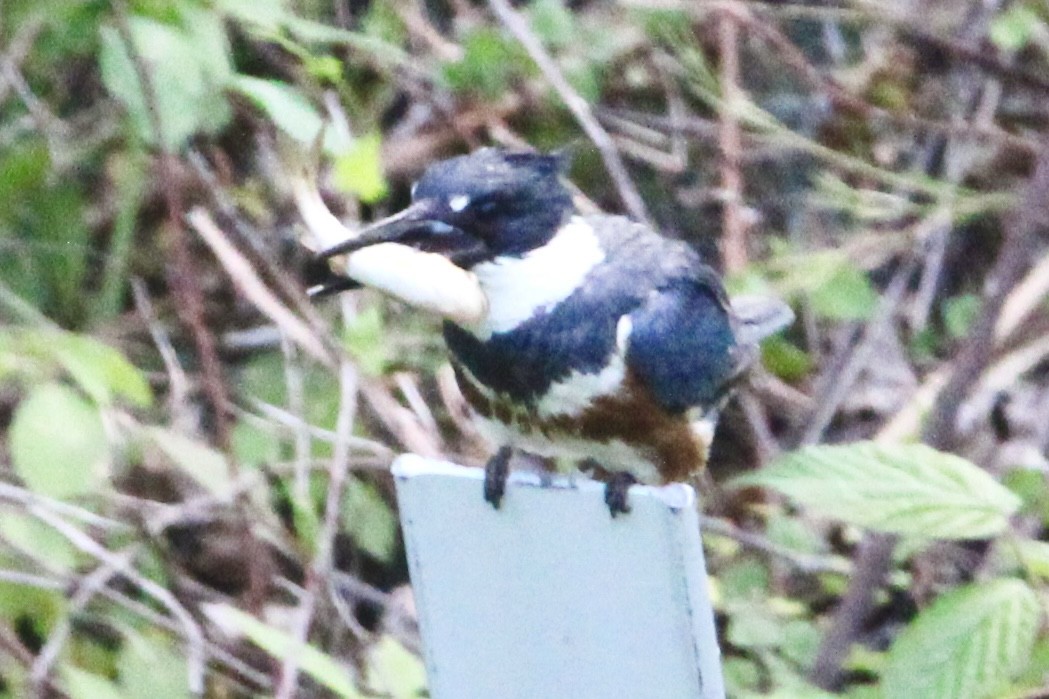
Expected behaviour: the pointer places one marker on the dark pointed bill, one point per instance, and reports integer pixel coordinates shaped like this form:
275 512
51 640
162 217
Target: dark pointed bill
419 227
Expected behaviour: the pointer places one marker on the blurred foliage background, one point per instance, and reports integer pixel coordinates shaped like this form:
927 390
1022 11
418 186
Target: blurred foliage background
194 458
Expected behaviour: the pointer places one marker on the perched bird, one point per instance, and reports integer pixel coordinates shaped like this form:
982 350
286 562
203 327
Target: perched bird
597 340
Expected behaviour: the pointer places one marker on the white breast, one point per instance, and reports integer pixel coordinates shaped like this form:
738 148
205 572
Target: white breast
573 394
519 287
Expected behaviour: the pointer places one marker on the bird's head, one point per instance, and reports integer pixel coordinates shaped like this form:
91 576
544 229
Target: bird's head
477 207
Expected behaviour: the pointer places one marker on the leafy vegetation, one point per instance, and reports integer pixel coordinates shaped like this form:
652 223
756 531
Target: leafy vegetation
194 496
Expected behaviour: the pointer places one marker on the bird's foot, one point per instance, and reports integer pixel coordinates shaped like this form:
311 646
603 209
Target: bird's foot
616 491
496 471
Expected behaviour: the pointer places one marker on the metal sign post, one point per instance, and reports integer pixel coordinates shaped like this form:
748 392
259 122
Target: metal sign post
549 597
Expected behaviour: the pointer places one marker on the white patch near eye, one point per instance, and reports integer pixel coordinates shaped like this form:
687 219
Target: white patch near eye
458 202
415 186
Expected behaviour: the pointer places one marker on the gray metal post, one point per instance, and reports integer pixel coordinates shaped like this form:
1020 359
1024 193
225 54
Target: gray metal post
551 598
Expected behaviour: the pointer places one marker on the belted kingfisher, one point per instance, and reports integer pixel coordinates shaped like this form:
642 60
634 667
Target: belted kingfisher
594 338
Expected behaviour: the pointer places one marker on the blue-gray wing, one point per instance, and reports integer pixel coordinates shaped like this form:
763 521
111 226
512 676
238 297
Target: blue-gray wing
682 345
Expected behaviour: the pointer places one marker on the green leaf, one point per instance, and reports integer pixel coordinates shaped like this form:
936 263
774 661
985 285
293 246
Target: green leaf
753 626
395 671
266 14
967 644
837 288
794 534
1014 28
364 338
304 516
1030 486
744 580
320 666
959 312
846 295
784 359
207 466
80 684
99 369
553 22
1034 555
39 608
369 520
801 642
188 69
60 242
490 62
33 537
152 666
908 489
129 172
43 233
58 444
370 45
254 445
359 170
741 674
382 21
1037 669
17 361
290 111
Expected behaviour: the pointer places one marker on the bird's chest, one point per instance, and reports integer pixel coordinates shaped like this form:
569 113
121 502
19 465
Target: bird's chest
555 356
604 417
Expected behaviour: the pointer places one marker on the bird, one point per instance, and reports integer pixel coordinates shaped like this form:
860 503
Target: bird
599 343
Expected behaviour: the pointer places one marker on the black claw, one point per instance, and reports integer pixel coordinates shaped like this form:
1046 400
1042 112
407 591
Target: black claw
496 471
616 491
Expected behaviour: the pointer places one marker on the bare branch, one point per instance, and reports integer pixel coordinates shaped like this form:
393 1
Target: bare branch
320 569
734 226
576 104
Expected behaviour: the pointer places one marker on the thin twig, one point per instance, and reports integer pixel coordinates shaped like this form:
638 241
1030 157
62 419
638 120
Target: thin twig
193 634
805 563
40 582
252 241
874 555
12 645
320 569
214 652
409 387
734 226
399 420
1017 253
840 381
178 384
87 587
294 383
249 284
27 498
577 105
272 415
182 275
1024 299
873 561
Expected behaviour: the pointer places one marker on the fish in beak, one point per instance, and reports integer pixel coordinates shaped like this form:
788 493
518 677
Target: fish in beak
415 256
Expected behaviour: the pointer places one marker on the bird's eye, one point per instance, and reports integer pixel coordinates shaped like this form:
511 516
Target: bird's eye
487 207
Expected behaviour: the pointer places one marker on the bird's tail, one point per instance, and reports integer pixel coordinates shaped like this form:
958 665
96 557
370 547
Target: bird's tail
759 316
